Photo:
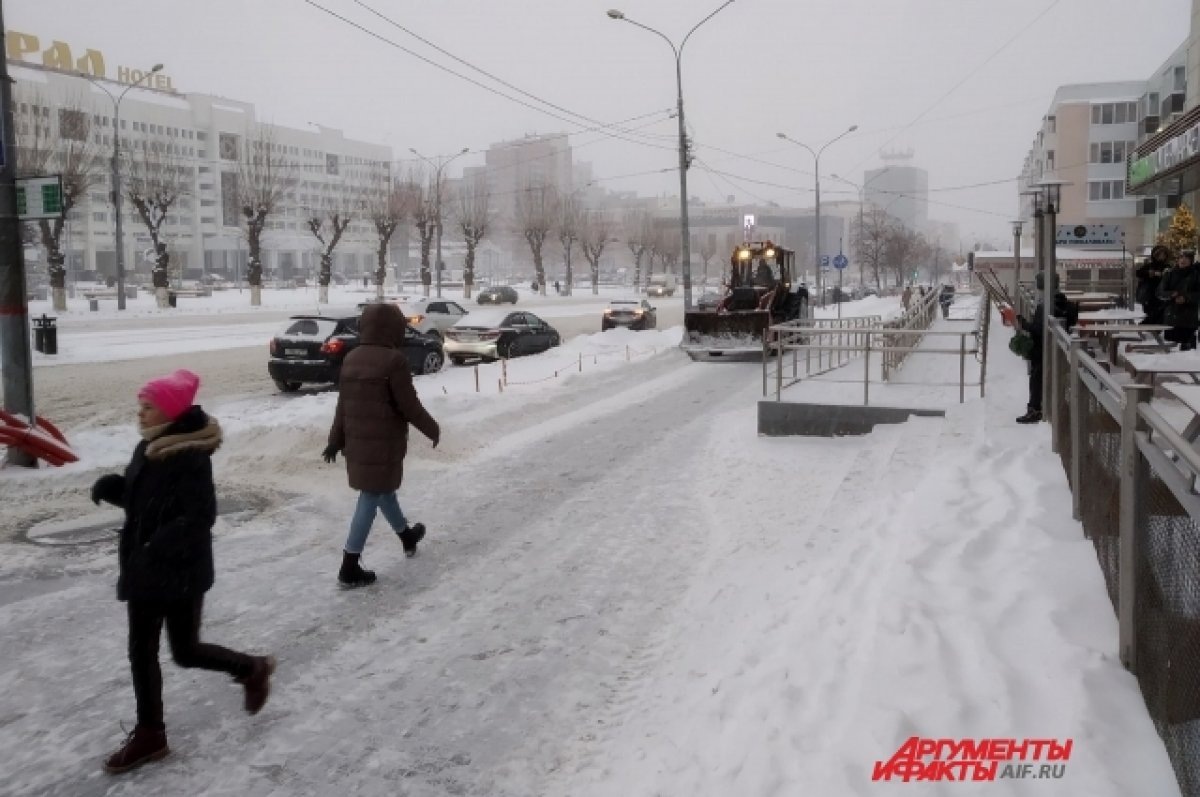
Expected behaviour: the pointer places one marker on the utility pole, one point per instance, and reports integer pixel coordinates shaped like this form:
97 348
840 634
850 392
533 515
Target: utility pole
15 356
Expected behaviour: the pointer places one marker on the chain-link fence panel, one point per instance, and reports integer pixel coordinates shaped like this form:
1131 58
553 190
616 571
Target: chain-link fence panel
1100 466
1167 626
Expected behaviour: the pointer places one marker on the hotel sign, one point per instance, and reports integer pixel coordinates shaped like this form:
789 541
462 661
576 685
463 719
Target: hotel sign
59 55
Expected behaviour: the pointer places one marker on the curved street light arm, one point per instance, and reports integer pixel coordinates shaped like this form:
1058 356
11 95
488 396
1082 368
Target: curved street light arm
658 33
701 22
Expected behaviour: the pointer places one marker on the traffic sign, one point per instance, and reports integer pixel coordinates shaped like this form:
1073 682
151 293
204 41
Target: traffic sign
841 261
824 261
39 198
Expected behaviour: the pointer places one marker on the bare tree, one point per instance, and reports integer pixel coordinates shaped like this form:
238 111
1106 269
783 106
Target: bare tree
570 217
708 250
904 250
157 181
425 218
474 221
670 248
388 209
870 241
60 144
536 213
639 231
595 233
264 182
328 224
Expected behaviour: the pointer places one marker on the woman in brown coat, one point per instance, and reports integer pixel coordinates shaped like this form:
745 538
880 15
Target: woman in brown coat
376 403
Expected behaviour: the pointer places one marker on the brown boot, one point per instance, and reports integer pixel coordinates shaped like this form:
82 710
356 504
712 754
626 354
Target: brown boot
258 683
143 745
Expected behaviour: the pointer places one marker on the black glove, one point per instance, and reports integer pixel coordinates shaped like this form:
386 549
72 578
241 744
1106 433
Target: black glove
108 488
330 453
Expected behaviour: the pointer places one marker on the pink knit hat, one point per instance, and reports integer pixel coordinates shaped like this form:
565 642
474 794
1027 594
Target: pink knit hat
172 394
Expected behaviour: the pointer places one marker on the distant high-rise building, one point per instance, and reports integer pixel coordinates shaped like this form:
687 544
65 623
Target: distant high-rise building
902 190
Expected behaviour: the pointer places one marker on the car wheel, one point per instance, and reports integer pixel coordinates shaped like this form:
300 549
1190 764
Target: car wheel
432 363
287 387
555 341
436 333
458 360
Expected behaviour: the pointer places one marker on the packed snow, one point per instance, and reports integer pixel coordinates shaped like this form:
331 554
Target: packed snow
624 590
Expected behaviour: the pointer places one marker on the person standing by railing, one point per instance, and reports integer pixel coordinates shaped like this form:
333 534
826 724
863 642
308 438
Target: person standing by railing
1149 278
1180 289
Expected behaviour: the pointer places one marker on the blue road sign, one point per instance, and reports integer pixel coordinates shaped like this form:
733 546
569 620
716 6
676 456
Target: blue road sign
824 261
841 261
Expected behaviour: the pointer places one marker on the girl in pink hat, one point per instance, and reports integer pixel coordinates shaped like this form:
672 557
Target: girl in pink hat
166 559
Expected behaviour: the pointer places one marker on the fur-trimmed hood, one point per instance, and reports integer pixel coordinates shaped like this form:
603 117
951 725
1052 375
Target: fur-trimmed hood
192 431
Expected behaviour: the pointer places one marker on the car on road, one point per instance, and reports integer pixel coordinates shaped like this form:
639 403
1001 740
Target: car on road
661 285
497 294
630 314
428 315
310 349
490 335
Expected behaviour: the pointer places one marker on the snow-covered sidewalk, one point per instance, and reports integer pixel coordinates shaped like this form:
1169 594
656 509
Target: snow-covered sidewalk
625 591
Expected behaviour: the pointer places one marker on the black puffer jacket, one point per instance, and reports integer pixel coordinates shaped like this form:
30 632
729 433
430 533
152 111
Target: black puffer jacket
1183 283
170 506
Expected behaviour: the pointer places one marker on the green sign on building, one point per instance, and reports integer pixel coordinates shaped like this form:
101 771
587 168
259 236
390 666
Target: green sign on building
39 198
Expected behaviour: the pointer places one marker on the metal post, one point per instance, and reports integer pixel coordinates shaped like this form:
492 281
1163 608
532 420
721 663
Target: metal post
867 372
962 368
116 200
1017 257
1049 269
817 189
438 257
15 356
983 343
683 195
1055 387
1075 469
1134 476
779 372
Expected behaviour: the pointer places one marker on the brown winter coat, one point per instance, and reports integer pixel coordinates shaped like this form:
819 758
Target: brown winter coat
376 403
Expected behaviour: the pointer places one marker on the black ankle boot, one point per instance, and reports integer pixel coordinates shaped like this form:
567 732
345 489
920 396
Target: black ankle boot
352 575
410 537
1032 416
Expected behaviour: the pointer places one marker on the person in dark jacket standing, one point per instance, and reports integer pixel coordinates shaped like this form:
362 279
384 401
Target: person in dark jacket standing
1180 290
166 558
376 403
1036 328
945 299
1149 278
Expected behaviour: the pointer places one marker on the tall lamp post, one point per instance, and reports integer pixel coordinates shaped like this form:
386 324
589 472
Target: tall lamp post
1016 227
1053 199
684 160
817 188
441 164
116 173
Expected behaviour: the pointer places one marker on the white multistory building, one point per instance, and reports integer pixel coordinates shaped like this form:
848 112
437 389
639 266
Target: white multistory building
206 135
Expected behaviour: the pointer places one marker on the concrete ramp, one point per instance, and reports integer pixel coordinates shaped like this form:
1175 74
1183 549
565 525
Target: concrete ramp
785 419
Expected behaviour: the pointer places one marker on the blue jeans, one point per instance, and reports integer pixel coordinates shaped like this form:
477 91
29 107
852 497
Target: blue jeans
364 516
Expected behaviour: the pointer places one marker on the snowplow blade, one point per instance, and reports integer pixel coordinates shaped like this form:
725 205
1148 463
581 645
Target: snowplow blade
709 335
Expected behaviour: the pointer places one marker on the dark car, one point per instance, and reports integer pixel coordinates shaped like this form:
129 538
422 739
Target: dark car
310 349
498 334
497 294
630 314
710 300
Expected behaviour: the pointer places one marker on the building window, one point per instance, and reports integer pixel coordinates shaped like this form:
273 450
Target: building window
207 220
99 216
201 135
1050 160
1105 190
1118 113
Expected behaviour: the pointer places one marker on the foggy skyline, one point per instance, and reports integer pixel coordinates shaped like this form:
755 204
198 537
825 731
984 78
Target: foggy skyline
975 77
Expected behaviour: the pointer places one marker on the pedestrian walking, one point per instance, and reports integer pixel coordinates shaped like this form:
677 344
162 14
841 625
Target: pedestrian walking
376 403
558 287
906 297
945 299
1149 278
166 560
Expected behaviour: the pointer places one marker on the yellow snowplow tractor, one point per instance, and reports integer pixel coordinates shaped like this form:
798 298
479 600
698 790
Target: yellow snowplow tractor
759 291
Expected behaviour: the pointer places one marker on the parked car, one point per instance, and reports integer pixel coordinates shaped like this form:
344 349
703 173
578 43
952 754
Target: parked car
630 314
710 300
494 334
661 285
497 294
310 349
428 315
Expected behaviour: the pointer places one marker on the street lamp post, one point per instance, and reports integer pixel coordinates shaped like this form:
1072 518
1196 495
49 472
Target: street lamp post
683 146
817 188
116 173
1017 225
442 164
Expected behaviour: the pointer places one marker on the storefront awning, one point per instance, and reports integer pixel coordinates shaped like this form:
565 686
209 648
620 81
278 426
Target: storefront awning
1172 153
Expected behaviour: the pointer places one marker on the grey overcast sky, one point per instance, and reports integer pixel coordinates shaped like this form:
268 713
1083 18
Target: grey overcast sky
810 68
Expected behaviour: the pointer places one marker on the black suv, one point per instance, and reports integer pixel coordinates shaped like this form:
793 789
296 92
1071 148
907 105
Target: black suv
310 349
497 294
